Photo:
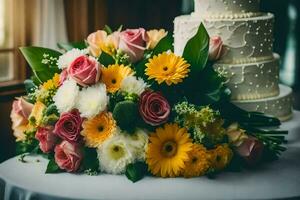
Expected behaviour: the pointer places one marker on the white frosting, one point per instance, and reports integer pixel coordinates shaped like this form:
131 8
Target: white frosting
226 8
279 106
252 80
247 40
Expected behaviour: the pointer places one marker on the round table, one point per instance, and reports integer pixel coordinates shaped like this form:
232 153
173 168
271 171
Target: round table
276 180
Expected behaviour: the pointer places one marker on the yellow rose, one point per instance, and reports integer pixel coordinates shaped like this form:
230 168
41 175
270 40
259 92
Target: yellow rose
154 37
99 41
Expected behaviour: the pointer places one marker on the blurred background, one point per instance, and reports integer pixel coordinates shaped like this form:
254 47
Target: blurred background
45 22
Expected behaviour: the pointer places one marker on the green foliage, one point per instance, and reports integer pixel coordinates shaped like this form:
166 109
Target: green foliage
196 49
51 109
126 115
107 29
164 44
52 167
42 61
90 160
204 124
136 171
106 59
72 45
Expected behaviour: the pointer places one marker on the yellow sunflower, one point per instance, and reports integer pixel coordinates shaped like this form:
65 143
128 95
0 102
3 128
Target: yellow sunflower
98 129
52 83
220 157
167 67
113 75
198 162
168 150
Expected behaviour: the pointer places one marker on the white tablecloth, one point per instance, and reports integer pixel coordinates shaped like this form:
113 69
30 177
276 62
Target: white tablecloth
277 180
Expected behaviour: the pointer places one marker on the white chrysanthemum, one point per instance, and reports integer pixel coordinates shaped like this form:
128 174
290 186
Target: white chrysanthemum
114 155
133 85
138 143
92 100
66 96
65 60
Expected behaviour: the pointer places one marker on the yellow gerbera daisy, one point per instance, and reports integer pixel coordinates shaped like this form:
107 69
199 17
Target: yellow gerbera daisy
167 67
198 162
52 83
168 150
113 75
220 157
98 129
36 115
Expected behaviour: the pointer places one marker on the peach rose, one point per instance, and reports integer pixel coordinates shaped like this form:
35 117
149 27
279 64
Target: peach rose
155 36
99 41
21 110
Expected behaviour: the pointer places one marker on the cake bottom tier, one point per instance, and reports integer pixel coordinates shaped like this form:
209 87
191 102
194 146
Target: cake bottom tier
252 80
280 106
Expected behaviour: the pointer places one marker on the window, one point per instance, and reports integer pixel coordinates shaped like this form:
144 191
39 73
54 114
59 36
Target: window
12 67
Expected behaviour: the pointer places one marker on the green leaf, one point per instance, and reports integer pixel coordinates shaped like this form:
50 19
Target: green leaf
106 59
197 49
126 115
164 44
52 167
107 29
90 161
34 57
72 45
136 171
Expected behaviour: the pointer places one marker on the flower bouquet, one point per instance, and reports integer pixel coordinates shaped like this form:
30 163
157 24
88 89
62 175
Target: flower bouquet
122 102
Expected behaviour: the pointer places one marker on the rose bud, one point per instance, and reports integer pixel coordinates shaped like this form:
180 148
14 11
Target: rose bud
236 135
47 139
251 150
216 48
154 108
133 43
68 156
85 70
68 126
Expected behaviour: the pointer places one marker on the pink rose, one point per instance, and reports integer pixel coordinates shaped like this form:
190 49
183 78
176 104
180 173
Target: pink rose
154 108
47 139
133 43
85 70
251 150
68 126
216 49
68 156
63 76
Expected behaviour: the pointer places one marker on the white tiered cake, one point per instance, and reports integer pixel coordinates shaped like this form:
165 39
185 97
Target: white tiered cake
250 65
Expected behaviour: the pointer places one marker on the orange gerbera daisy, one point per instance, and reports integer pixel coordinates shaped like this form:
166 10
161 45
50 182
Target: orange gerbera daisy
98 129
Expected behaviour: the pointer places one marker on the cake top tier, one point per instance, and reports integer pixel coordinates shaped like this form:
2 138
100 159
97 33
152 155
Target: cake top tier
227 8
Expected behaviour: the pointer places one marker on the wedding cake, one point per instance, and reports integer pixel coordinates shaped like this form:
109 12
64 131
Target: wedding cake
249 64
